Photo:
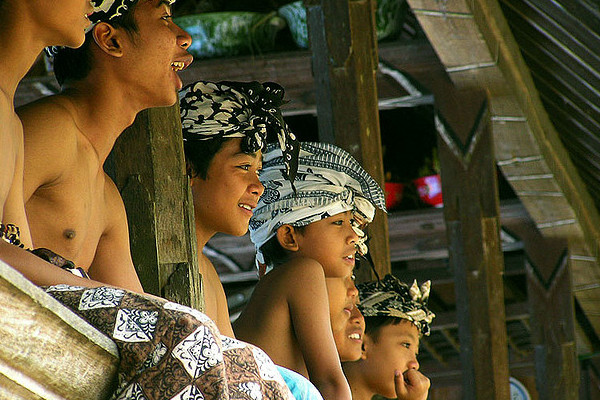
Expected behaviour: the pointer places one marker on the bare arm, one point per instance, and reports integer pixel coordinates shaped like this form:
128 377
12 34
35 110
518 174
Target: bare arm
309 309
112 262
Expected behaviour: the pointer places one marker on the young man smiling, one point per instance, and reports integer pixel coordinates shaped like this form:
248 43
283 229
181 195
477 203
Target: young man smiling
396 316
128 63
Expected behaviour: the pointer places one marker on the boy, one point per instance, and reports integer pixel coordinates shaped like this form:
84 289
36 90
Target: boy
224 131
225 126
25 29
304 235
395 316
348 325
128 62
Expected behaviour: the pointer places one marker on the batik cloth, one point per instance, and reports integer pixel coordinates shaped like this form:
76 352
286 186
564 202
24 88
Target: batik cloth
390 297
301 388
103 11
247 110
169 351
329 181
11 233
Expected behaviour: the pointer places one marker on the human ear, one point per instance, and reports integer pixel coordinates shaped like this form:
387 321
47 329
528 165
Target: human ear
366 345
108 39
287 237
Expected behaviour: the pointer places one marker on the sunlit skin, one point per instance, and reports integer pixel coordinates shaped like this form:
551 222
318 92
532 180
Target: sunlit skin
223 202
347 323
388 365
74 208
26 27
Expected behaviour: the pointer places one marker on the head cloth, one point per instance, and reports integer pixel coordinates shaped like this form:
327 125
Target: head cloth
329 181
391 297
247 110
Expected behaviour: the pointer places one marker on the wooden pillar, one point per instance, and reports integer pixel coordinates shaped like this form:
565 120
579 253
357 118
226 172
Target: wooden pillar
552 310
148 167
471 211
344 60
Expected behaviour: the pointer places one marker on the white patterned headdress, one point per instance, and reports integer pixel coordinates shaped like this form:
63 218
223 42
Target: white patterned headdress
329 181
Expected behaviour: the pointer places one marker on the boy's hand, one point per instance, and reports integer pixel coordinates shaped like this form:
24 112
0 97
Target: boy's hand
412 385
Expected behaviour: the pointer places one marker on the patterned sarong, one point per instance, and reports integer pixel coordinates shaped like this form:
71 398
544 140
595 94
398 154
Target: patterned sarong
170 351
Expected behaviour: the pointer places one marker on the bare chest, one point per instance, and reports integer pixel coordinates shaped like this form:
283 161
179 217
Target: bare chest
69 216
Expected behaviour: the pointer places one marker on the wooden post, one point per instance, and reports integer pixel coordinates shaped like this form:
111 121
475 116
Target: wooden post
148 167
552 310
471 211
344 59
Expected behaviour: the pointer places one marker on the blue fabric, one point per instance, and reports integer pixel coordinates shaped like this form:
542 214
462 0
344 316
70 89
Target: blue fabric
301 388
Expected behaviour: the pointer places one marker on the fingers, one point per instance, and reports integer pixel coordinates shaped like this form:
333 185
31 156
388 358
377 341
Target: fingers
412 385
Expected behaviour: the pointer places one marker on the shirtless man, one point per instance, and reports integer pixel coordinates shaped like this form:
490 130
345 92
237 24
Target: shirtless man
125 66
25 29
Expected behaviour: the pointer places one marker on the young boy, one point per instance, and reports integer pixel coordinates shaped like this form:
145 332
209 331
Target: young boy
128 62
25 29
225 126
347 322
396 316
303 235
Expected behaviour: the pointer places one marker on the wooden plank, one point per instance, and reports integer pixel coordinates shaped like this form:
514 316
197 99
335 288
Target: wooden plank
471 212
344 64
46 351
148 167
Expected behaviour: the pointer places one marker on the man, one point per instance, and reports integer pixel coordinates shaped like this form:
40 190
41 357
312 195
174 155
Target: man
396 316
25 29
128 63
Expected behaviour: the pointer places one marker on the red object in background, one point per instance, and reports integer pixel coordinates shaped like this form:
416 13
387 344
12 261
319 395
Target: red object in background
430 190
393 194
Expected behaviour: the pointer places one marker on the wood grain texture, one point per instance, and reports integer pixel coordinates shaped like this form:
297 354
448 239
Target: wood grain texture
46 351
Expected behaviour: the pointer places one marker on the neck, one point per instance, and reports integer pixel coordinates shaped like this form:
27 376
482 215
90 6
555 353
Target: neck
20 45
203 235
358 386
101 111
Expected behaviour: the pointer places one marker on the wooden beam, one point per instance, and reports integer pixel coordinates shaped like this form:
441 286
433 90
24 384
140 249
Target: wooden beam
471 212
148 166
344 63
46 350
476 47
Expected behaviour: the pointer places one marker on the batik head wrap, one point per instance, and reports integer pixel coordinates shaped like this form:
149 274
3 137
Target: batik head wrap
103 11
247 110
391 297
329 181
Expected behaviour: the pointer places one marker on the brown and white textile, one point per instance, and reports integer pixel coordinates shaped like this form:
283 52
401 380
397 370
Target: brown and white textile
170 351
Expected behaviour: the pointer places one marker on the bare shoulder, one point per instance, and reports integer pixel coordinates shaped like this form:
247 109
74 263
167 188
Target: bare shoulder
47 120
115 208
304 269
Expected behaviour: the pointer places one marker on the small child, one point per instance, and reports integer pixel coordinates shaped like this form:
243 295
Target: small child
304 234
396 316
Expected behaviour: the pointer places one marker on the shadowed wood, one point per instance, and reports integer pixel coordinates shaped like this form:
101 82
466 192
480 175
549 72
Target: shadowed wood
477 49
46 351
148 167
471 212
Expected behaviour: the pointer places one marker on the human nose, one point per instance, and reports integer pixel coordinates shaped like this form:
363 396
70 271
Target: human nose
413 364
352 291
352 235
256 186
184 40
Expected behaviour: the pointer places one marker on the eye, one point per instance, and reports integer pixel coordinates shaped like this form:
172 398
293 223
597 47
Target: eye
406 344
245 167
338 222
353 277
259 171
167 17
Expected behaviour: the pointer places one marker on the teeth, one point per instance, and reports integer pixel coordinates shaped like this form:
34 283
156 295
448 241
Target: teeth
177 65
245 206
354 336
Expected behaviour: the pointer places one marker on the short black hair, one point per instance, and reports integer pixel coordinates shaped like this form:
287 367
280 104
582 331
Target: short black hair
71 65
273 253
374 324
199 154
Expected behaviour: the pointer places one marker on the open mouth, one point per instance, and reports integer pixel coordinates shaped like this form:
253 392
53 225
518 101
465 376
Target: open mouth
178 66
245 206
354 336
